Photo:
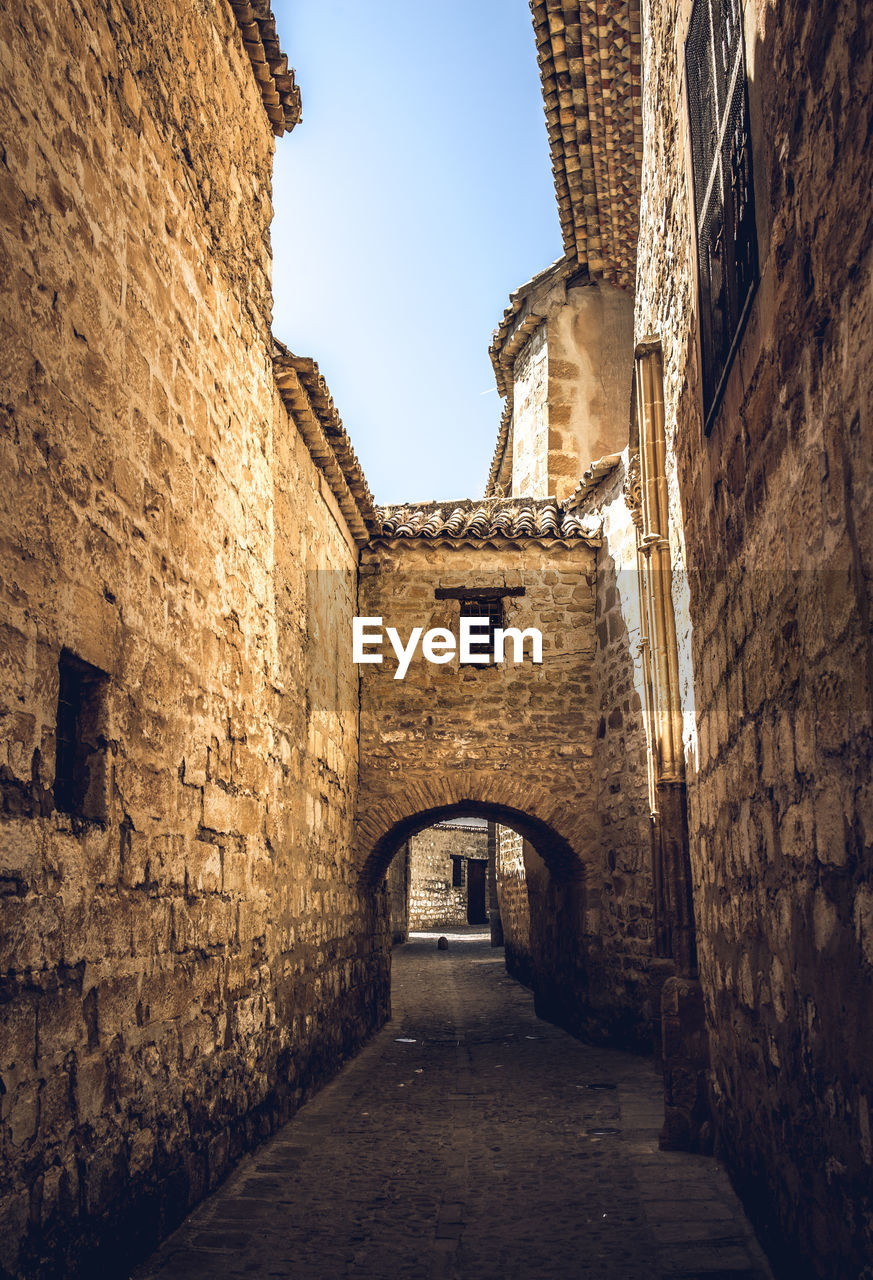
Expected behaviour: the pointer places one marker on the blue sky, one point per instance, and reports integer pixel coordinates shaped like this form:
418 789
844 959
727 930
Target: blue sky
414 195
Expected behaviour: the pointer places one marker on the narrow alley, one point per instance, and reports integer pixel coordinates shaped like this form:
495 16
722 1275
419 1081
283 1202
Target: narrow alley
470 1139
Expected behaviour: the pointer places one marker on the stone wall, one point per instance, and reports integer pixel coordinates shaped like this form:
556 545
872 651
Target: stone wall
514 905
570 380
487 734
530 418
398 894
434 901
513 744
773 554
183 952
590 346
627 916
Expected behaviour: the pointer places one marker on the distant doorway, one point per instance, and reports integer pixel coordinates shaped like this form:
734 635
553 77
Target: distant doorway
476 912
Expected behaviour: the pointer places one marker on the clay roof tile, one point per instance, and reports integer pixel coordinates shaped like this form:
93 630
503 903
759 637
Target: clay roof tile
279 92
492 520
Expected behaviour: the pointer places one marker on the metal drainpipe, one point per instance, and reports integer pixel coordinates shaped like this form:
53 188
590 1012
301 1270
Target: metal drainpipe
655 550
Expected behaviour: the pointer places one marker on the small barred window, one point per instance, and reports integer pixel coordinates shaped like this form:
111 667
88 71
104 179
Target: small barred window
727 249
492 610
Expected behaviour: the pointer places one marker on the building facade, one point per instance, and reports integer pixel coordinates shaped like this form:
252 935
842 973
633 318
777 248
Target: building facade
201 795
448 875
713 161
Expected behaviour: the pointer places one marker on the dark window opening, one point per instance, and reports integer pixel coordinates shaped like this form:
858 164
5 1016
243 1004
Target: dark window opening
457 872
80 736
727 247
482 641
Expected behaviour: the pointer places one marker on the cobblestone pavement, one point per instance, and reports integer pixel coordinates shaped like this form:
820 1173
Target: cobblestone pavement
470 1139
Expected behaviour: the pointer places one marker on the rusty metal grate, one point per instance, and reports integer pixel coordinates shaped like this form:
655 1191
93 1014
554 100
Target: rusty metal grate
492 610
727 251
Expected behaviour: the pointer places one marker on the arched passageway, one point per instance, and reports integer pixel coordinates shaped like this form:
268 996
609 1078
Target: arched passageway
517 743
552 928
563 863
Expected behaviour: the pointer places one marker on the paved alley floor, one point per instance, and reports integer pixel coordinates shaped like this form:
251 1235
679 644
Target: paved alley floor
470 1140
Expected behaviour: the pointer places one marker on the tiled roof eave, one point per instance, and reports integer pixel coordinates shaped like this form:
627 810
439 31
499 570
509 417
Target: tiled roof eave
504 436
278 89
490 540
520 320
498 521
310 405
591 480
589 54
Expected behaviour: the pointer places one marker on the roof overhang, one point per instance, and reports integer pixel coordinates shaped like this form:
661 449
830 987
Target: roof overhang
279 92
589 53
498 523
306 397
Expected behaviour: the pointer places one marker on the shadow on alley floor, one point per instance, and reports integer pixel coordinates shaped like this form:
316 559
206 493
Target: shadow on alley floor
470 1140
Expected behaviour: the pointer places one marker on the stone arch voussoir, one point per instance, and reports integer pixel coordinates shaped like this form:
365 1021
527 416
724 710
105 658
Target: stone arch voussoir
552 826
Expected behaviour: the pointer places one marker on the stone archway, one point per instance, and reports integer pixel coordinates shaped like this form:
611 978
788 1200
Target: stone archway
400 821
516 742
564 953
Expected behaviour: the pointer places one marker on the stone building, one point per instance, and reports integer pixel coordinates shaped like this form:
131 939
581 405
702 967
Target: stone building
439 878
714 162
183 948
207 811
759 380
448 874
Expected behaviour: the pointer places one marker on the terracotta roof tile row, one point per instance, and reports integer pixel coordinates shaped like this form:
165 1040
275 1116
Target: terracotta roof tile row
275 79
519 321
502 520
591 478
305 394
589 53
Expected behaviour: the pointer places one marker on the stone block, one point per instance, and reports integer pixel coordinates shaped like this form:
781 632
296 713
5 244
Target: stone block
204 872
226 812
134 858
19 850
90 1089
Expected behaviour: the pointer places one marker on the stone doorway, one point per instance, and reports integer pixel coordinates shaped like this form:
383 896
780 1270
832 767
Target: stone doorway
476 909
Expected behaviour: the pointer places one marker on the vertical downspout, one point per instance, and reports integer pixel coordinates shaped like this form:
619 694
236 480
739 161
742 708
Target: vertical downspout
659 921
655 552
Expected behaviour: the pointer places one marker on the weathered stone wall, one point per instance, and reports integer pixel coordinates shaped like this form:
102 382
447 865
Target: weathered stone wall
627 923
590 350
772 522
508 743
514 905
433 900
530 418
182 964
571 384
487 734
398 894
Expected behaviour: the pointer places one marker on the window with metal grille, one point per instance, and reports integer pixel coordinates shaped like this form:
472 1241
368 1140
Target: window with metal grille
727 247
457 872
492 610
80 739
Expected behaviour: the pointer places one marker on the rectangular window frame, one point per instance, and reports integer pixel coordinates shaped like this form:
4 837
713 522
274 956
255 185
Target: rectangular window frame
721 149
481 602
492 609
